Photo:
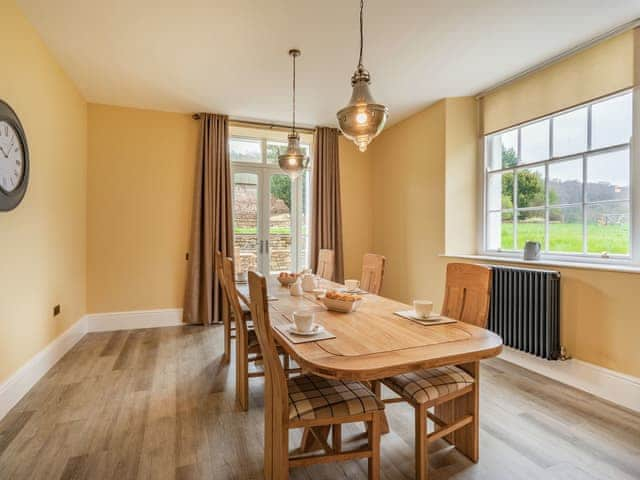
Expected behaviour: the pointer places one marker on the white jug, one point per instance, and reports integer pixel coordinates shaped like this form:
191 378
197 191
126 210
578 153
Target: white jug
309 282
295 288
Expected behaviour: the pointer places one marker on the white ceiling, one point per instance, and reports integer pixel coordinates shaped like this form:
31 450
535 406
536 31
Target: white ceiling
230 56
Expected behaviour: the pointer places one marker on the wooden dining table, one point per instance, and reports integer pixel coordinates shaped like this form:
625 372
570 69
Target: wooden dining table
373 343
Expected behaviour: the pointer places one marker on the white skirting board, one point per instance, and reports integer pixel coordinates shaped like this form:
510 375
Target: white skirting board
616 387
106 322
16 386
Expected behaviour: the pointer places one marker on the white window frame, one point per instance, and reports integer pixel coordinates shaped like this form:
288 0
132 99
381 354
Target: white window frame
264 171
633 258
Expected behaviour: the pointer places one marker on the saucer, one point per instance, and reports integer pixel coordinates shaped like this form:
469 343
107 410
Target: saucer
315 329
431 317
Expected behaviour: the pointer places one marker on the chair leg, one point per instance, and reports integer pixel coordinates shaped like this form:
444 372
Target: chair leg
422 460
286 364
242 374
374 445
336 439
226 320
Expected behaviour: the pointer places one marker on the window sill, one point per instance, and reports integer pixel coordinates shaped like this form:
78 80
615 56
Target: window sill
550 263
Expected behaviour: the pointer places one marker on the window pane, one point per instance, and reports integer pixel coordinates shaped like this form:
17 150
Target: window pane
608 176
503 150
274 149
531 187
280 201
500 191
565 230
611 121
530 227
305 211
608 228
535 142
245 221
565 182
500 231
570 133
245 150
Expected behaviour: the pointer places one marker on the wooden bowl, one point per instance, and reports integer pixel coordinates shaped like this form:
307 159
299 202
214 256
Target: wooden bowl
341 306
286 281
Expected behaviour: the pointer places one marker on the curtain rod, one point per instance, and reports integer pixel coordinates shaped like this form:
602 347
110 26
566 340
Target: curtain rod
561 56
270 126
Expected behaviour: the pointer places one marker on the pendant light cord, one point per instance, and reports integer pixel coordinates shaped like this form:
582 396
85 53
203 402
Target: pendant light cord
294 94
361 32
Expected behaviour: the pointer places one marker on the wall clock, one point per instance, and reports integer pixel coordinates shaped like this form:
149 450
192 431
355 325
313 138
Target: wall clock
14 159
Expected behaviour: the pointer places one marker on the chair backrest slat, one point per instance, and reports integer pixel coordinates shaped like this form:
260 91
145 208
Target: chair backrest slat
467 293
226 274
274 372
372 272
326 262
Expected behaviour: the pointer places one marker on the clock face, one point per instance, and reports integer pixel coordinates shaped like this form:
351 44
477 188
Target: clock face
11 158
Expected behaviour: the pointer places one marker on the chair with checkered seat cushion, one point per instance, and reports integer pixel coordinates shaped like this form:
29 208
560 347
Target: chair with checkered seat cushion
312 398
309 402
247 345
452 390
424 386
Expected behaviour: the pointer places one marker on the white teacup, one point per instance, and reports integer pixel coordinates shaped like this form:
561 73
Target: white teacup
303 320
352 285
423 308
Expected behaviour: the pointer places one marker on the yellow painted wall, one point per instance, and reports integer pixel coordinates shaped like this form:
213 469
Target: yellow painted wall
140 188
592 73
43 241
408 204
356 174
461 174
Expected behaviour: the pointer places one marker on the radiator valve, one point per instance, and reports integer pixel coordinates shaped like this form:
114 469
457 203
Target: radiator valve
563 353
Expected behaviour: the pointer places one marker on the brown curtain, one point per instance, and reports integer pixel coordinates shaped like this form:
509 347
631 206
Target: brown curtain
211 227
326 231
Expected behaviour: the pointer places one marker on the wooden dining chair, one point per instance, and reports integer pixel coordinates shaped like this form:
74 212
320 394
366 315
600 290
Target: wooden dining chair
372 272
326 262
247 346
452 390
307 401
227 322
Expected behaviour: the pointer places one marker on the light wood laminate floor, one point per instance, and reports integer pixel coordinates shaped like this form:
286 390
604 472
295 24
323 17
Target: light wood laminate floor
159 403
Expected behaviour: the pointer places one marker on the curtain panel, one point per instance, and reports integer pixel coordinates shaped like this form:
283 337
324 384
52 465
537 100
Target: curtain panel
212 223
326 227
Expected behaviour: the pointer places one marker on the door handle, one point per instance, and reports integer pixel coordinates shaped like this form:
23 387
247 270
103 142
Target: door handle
266 246
261 246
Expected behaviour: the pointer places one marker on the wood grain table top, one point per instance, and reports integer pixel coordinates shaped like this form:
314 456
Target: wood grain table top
373 342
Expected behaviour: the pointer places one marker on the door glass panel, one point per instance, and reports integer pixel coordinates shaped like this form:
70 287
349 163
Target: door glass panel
280 223
245 221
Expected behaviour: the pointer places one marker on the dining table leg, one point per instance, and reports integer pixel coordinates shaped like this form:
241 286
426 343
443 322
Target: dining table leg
465 439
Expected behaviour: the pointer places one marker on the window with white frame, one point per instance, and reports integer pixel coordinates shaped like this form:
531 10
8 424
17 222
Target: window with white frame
271 211
564 181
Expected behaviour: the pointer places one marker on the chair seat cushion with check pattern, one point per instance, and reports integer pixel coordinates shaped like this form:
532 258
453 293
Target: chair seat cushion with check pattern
424 386
313 398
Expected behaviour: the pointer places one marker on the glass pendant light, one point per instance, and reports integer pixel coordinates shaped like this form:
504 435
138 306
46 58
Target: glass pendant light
363 119
294 160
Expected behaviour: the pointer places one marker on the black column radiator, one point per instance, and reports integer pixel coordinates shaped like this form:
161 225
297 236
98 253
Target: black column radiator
525 310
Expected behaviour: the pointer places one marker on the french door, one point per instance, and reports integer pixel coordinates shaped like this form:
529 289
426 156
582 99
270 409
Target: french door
270 215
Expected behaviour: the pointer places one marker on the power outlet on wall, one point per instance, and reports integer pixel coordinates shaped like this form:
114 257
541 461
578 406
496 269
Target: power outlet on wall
56 310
